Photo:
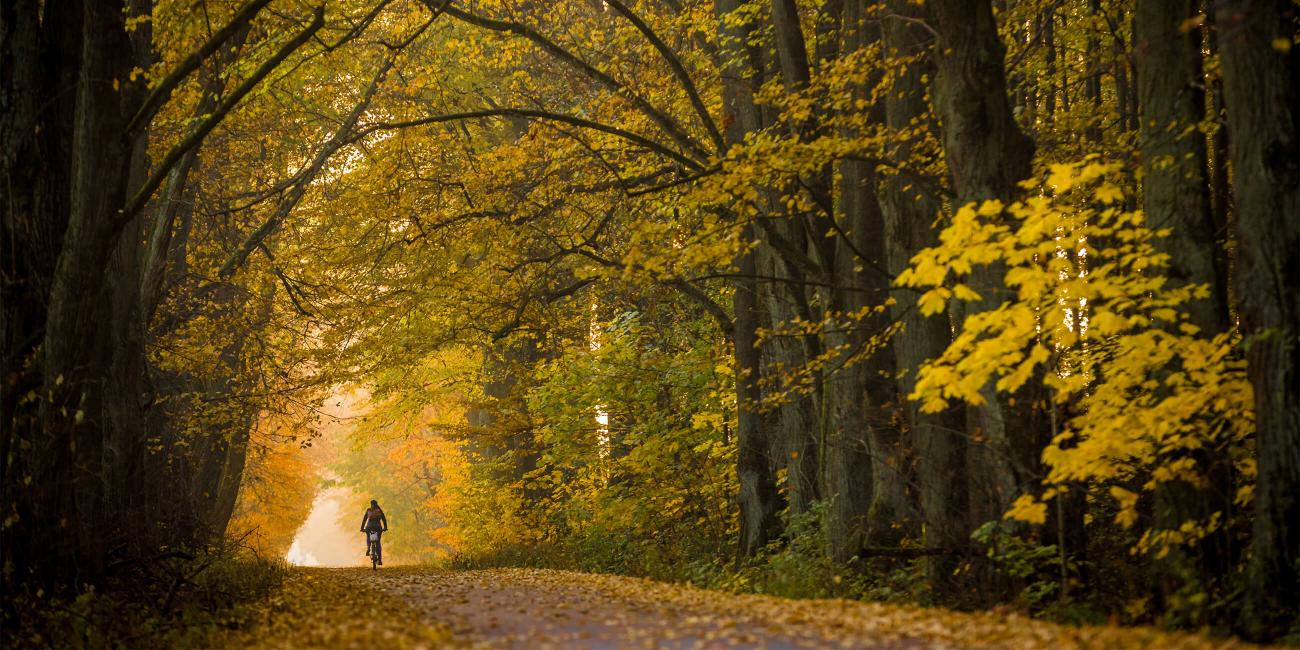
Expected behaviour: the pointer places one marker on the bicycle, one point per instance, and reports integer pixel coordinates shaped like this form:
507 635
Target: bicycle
375 550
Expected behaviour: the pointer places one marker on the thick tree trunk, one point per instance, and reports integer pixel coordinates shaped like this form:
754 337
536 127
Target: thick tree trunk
76 320
871 466
910 215
35 141
1261 85
987 155
758 497
74 347
803 420
795 423
861 471
1176 195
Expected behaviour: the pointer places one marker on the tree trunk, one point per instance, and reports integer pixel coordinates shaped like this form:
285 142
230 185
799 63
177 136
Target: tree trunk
873 452
758 496
1220 186
796 421
1261 85
74 343
910 213
40 58
1092 83
1175 195
987 155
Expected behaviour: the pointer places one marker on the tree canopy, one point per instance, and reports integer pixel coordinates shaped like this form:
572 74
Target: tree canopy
958 301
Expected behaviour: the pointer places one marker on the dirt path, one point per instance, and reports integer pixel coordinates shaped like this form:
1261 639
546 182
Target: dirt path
419 607
553 609
529 608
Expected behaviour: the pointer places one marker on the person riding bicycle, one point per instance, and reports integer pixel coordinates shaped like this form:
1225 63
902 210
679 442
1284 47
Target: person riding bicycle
373 521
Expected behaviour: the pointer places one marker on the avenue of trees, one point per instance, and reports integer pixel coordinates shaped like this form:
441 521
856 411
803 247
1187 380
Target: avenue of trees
964 301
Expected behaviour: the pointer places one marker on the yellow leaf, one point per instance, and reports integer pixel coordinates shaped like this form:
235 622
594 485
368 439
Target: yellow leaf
1108 193
1128 514
963 292
934 301
1027 509
1061 177
990 208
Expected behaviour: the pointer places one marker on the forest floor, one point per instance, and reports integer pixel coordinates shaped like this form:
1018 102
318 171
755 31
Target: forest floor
420 607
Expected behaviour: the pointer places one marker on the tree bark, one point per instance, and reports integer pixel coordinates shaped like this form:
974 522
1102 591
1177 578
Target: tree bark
871 465
910 214
74 344
40 57
758 497
1261 86
1175 195
987 155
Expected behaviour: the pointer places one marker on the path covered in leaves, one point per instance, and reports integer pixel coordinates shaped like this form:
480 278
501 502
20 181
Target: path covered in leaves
416 607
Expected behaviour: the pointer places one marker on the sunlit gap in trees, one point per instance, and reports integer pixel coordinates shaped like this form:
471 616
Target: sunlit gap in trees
324 539
1078 311
328 536
602 416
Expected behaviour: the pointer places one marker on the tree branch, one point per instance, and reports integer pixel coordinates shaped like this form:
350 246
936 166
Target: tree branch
548 297
340 138
537 114
720 315
679 71
163 91
787 249
199 133
675 132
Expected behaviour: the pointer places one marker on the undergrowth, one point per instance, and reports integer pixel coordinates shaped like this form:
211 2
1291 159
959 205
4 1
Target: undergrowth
178 601
799 565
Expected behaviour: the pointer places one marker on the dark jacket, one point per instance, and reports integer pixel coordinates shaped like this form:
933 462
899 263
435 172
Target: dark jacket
374 519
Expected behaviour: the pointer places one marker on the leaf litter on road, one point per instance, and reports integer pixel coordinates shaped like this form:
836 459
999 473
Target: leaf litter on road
422 607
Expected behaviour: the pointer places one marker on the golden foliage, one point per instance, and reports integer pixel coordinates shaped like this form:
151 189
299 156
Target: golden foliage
275 498
1092 312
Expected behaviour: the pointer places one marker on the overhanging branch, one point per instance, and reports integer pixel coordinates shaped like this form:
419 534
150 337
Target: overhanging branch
160 93
536 114
675 132
199 133
679 71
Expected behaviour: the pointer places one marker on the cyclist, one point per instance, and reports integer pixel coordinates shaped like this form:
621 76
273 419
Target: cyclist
373 521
